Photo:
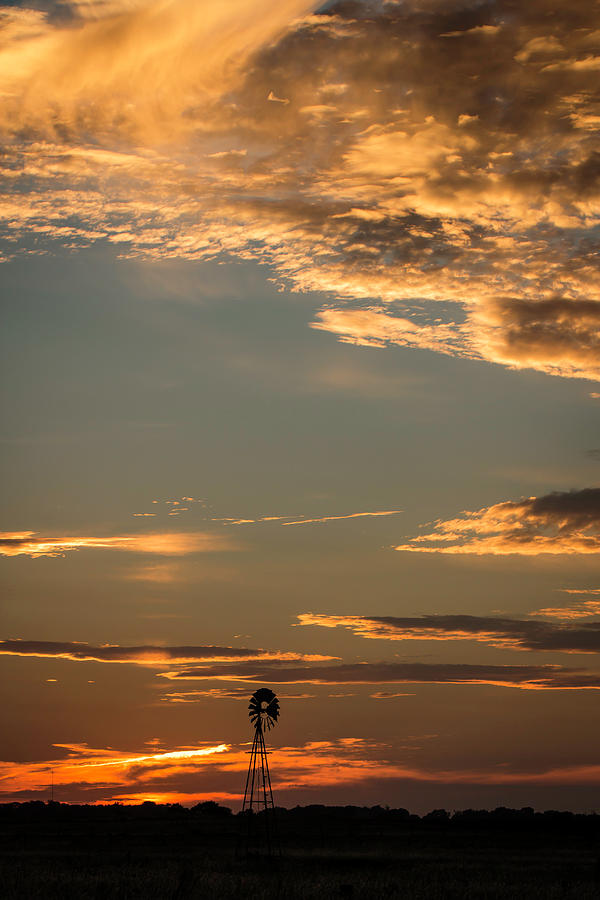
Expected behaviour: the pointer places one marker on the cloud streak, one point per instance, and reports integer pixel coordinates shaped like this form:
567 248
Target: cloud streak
283 520
143 655
359 515
32 543
240 693
84 770
176 755
511 634
563 522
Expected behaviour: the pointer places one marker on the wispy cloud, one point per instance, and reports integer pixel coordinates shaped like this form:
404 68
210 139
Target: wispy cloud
184 504
295 520
173 507
359 515
512 634
144 655
161 573
223 694
580 609
389 695
34 544
582 591
558 523
376 327
553 334
166 57
583 610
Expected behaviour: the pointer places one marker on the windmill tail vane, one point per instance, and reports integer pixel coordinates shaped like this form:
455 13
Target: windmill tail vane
263 711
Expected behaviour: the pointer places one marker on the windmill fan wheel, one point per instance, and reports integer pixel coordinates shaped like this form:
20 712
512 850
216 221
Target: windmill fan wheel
263 708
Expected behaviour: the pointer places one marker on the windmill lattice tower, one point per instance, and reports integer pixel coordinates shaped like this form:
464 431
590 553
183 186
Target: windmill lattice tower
258 805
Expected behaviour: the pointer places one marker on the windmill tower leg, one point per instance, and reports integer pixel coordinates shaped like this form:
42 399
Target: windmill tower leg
267 796
250 805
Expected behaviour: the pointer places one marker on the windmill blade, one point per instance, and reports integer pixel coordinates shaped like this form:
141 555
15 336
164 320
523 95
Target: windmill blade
273 709
263 708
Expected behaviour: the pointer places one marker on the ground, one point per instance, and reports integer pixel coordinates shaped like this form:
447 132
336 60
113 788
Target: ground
53 851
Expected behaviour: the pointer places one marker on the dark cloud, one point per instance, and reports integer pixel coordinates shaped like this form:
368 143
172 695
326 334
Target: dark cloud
559 332
570 509
516 634
526 677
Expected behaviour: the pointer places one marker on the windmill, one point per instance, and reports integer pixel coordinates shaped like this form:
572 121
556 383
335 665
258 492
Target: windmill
263 711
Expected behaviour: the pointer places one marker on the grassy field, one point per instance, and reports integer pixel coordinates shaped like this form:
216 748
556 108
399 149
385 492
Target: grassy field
184 856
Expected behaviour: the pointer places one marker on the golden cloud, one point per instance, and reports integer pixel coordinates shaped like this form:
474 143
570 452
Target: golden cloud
558 523
134 67
445 203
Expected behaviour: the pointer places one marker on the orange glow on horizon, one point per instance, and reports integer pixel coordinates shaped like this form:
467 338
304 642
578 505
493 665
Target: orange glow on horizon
317 764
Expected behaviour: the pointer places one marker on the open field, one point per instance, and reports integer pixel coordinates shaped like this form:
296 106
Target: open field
111 852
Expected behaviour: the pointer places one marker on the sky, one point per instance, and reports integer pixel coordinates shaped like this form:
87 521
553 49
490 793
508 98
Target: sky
300 389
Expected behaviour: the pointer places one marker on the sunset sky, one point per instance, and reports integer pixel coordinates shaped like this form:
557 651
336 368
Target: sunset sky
300 388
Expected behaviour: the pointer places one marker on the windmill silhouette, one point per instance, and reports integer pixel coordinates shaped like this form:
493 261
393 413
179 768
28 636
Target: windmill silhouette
258 807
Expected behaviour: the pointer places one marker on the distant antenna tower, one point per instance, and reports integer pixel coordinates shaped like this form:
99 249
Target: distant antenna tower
258 805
